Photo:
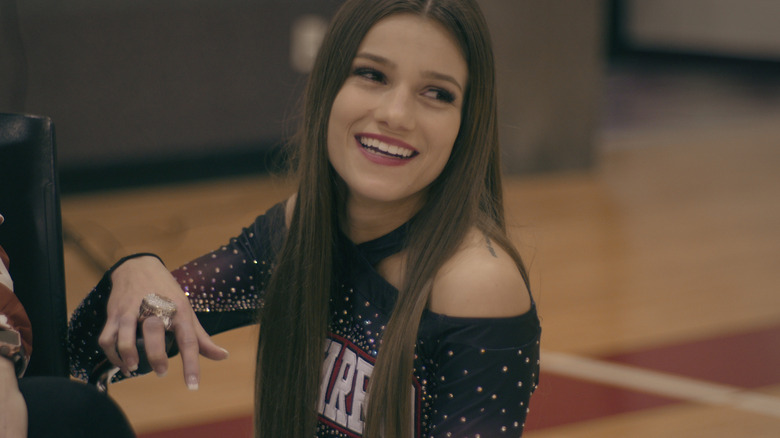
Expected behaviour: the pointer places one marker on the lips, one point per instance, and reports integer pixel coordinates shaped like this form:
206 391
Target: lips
386 147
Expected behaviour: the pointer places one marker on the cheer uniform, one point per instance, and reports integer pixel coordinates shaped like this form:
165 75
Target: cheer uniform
473 376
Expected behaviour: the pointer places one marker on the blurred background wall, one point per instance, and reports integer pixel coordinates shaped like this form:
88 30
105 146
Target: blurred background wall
179 88
130 83
743 29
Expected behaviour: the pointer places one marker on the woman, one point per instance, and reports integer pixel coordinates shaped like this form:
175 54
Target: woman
392 257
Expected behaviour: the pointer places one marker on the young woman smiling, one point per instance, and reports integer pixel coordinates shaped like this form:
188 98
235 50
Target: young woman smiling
391 301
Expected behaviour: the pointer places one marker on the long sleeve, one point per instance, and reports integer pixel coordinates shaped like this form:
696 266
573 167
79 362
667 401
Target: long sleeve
225 288
12 314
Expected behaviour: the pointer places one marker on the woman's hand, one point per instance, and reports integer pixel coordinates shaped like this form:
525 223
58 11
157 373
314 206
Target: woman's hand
131 282
13 409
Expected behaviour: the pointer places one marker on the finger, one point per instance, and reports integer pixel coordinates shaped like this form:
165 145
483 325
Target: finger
208 348
187 341
125 343
107 342
154 345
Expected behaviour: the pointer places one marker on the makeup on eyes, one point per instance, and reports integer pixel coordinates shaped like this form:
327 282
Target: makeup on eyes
441 94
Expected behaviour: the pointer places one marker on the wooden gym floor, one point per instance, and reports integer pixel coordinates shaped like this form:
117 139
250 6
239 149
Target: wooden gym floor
657 273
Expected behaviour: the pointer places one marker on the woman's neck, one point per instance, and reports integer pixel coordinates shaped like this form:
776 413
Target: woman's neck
369 219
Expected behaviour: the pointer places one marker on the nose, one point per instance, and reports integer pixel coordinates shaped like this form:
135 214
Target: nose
396 109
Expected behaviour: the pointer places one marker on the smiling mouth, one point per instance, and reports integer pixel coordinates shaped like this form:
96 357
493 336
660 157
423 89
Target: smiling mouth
381 148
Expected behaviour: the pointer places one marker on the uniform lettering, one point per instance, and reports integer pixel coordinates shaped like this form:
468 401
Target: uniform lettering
346 371
332 351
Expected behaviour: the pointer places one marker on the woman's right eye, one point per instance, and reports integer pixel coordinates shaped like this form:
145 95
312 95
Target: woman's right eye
369 73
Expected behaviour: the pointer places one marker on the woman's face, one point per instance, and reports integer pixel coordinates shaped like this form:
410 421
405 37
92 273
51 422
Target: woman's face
395 119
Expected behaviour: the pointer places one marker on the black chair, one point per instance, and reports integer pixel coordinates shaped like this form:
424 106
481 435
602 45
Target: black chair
32 235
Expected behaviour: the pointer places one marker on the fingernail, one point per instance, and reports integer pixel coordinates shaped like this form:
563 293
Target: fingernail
161 373
133 367
192 383
227 353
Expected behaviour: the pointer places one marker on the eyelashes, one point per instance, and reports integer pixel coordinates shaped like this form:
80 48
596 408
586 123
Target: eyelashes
370 74
374 75
442 95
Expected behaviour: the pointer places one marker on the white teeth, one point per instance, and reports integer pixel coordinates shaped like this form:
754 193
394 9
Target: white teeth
386 148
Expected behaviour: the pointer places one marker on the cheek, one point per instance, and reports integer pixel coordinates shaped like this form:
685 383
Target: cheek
347 107
445 143
337 125
449 135
335 116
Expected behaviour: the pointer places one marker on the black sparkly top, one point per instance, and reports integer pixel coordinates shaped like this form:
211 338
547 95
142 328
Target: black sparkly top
473 376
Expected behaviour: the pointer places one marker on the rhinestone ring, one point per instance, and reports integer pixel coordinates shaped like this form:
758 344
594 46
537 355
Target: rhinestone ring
159 306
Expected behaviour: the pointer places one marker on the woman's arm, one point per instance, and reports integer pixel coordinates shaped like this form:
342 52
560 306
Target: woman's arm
130 283
219 291
486 354
13 410
485 371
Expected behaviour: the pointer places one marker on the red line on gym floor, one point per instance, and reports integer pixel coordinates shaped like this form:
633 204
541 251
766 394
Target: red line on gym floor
747 360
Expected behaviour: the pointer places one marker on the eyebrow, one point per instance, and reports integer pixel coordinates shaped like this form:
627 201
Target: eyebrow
426 73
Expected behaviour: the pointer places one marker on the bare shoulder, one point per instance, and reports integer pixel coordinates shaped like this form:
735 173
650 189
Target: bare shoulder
481 280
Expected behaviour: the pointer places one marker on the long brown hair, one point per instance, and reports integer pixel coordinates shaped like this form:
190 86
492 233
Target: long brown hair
295 317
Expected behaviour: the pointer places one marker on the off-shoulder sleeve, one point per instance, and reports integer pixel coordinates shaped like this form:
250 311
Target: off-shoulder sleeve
485 371
225 288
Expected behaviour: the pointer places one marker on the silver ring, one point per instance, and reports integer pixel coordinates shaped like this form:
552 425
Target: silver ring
159 306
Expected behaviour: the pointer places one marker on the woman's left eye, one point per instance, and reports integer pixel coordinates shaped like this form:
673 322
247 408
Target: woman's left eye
440 95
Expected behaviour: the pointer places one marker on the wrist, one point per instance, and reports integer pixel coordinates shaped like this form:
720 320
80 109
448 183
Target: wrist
130 260
12 351
7 372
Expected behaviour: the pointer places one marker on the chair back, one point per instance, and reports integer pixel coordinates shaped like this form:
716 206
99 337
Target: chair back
32 235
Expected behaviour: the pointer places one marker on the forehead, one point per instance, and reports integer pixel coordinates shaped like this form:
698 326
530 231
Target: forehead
418 40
